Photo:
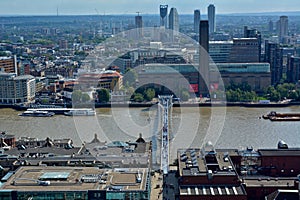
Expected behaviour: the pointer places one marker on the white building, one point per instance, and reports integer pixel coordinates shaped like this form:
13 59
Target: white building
16 89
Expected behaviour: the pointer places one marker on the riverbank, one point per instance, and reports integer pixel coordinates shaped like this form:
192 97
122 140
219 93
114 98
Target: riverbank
182 104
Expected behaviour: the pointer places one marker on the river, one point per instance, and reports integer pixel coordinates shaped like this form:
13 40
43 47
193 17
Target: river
231 127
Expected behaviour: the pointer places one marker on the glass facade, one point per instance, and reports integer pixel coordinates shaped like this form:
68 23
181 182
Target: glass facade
53 195
243 67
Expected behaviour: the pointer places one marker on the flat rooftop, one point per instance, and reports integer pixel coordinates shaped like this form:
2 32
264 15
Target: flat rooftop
76 179
280 152
210 190
195 162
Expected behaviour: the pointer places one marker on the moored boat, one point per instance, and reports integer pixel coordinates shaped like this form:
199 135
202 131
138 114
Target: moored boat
37 113
81 112
274 116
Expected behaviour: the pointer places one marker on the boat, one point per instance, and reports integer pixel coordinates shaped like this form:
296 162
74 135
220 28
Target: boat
37 113
274 116
81 112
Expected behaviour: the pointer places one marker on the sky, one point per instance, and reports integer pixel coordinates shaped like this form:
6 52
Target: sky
93 7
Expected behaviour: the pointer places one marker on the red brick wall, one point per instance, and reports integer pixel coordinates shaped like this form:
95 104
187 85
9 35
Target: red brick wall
286 163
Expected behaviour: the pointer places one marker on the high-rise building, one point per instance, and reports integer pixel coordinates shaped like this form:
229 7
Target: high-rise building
211 12
283 28
293 69
271 26
174 20
203 58
253 33
274 56
197 18
139 25
163 12
16 89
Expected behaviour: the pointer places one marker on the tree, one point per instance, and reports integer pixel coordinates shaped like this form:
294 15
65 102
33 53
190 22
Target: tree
149 94
138 97
103 95
185 95
76 96
85 97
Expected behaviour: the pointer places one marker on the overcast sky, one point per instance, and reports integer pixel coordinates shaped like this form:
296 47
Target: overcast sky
49 7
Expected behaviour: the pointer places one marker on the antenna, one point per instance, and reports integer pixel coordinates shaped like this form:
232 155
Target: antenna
57 11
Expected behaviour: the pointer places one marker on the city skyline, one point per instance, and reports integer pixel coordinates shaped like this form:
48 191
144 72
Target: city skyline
82 7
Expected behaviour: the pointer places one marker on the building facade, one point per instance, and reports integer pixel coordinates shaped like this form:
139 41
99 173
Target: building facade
174 21
163 13
283 28
16 89
8 64
197 18
274 56
211 12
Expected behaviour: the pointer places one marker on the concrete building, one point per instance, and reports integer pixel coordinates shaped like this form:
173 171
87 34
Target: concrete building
139 25
274 56
163 13
86 183
211 12
197 18
283 28
245 50
174 21
257 75
293 69
253 33
207 174
16 89
8 64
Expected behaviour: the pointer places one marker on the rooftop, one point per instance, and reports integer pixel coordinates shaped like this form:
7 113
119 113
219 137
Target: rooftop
196 162
76 179
209 190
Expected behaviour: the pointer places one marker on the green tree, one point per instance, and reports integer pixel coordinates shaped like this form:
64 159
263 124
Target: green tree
138 97
103 95
76 96
85 97
149 94
185 95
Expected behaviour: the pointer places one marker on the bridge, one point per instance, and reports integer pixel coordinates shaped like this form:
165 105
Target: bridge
166 103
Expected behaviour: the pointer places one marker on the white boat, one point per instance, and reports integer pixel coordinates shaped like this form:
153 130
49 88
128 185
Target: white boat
81 112
37 113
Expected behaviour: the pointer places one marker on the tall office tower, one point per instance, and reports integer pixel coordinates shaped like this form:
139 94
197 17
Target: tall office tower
197 18
271 26
274 56
211 12
139 25
174 20
253 33
163 12
283 28
203 58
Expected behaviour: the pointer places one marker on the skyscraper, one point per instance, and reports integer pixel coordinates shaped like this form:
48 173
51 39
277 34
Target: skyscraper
211 12
163 12
283 28
203 58
274 56
197 18
139 25
174 20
